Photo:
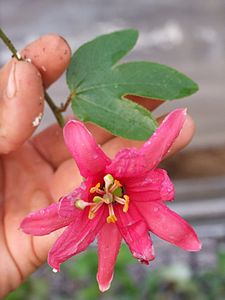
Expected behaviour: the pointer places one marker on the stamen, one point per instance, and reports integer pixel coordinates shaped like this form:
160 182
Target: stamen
119 200
91 215
111 218
126 205
96 189
94 209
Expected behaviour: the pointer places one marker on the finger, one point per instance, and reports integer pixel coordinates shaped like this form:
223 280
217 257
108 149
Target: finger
51 56
65 179
50 142
21 103
114 145
185 136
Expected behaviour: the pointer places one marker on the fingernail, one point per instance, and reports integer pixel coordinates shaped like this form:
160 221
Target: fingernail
11 85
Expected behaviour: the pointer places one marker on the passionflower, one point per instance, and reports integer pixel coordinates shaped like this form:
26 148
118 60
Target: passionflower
119 199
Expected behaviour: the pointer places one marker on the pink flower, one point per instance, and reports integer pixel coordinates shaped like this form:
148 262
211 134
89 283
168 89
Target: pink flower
119 199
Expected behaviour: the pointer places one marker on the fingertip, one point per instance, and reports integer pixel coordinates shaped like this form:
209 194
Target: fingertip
185 136
51 56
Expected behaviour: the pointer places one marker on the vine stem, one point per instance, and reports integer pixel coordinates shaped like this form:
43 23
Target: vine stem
57 111
9 44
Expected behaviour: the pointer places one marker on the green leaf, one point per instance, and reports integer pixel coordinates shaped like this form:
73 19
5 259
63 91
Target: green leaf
101 53
99 87
120 116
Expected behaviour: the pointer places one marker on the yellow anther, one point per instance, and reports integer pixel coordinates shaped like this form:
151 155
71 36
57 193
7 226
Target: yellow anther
95 207
126 205
111 219
91 215
94 189
118 183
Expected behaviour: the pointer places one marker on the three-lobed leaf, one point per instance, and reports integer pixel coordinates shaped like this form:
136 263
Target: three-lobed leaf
99 85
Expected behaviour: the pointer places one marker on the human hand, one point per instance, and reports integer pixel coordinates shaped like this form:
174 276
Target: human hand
38 171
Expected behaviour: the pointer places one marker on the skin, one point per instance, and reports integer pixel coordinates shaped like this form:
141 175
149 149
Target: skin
35 171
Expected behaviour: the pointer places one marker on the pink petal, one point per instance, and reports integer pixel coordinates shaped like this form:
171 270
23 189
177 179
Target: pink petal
135 162
44 221
126 164
109 240
135 233
88 155
169 226
153 186
67 203
76 238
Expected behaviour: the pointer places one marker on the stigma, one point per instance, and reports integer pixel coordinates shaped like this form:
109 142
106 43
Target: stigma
110 194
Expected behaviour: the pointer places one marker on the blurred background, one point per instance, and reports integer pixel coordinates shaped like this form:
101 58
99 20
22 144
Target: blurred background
189 36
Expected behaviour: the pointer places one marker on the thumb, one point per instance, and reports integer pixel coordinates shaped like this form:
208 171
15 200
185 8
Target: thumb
21 103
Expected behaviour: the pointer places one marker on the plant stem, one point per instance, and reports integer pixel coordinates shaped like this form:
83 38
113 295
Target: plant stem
55 109
9 44
65 105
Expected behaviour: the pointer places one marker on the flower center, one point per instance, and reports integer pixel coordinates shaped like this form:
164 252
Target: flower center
110 194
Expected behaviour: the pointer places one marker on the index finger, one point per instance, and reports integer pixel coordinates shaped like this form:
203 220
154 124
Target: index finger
50 54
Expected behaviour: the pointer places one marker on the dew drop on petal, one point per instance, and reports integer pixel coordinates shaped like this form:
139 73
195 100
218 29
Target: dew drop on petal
54 271
171 237
155 209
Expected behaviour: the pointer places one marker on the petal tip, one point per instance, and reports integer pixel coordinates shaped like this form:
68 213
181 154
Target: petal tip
191 243
195 247
55 265
145 258
103 287
25 225
70 124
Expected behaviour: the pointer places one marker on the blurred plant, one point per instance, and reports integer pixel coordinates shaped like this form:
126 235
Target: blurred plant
174 282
